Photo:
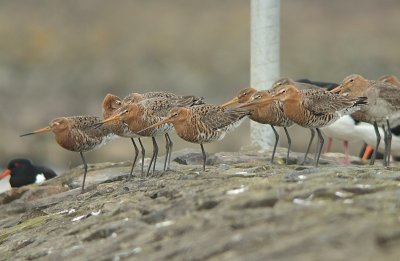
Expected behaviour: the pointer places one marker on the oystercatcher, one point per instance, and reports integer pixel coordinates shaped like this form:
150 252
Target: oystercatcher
22 172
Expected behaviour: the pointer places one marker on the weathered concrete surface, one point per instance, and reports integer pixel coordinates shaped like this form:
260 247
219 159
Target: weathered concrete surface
241 208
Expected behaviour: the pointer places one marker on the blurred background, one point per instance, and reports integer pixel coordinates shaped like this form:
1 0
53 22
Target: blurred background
60 58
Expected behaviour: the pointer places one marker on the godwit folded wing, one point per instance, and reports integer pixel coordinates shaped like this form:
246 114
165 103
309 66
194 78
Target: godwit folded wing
320 103
219 118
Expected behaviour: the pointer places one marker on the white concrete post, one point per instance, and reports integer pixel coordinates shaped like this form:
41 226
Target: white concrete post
264 59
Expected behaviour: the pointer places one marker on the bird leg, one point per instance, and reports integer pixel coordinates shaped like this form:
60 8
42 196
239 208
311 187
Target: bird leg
276 143
135 158
321 145
168 147
309 145
386 145
316 150
389 142
153 157
289 140
171 144
204 156
166 152
378 140
143 155
85 167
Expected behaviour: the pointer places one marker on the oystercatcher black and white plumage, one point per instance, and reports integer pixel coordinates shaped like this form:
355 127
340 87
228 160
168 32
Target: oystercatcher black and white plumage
22 172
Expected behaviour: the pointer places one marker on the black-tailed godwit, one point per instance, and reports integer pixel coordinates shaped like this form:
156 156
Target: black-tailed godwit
78 134
383 107
264 111
316 108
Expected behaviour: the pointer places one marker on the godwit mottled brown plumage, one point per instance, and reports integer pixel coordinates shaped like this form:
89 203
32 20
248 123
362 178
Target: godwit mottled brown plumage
383 107
135 97
316 108
202 123
110 104
140 115
78 134
264 111
281 83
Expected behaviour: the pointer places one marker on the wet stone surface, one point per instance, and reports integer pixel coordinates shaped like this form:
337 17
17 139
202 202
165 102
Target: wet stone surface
241 208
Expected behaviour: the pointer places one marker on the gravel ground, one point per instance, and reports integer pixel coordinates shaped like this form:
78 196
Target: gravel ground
241 208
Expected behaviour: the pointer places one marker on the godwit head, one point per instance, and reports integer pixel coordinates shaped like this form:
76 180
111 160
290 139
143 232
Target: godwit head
258 99
123 114
353 85
110 103
57 125
244 96
390 79
279 84
288 92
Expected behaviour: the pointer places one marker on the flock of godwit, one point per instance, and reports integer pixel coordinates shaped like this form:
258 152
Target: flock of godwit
288 102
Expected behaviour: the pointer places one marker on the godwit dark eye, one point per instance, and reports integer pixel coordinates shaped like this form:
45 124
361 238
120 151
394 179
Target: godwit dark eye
351 80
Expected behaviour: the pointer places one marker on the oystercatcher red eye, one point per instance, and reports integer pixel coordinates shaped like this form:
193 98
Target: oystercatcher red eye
16 164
